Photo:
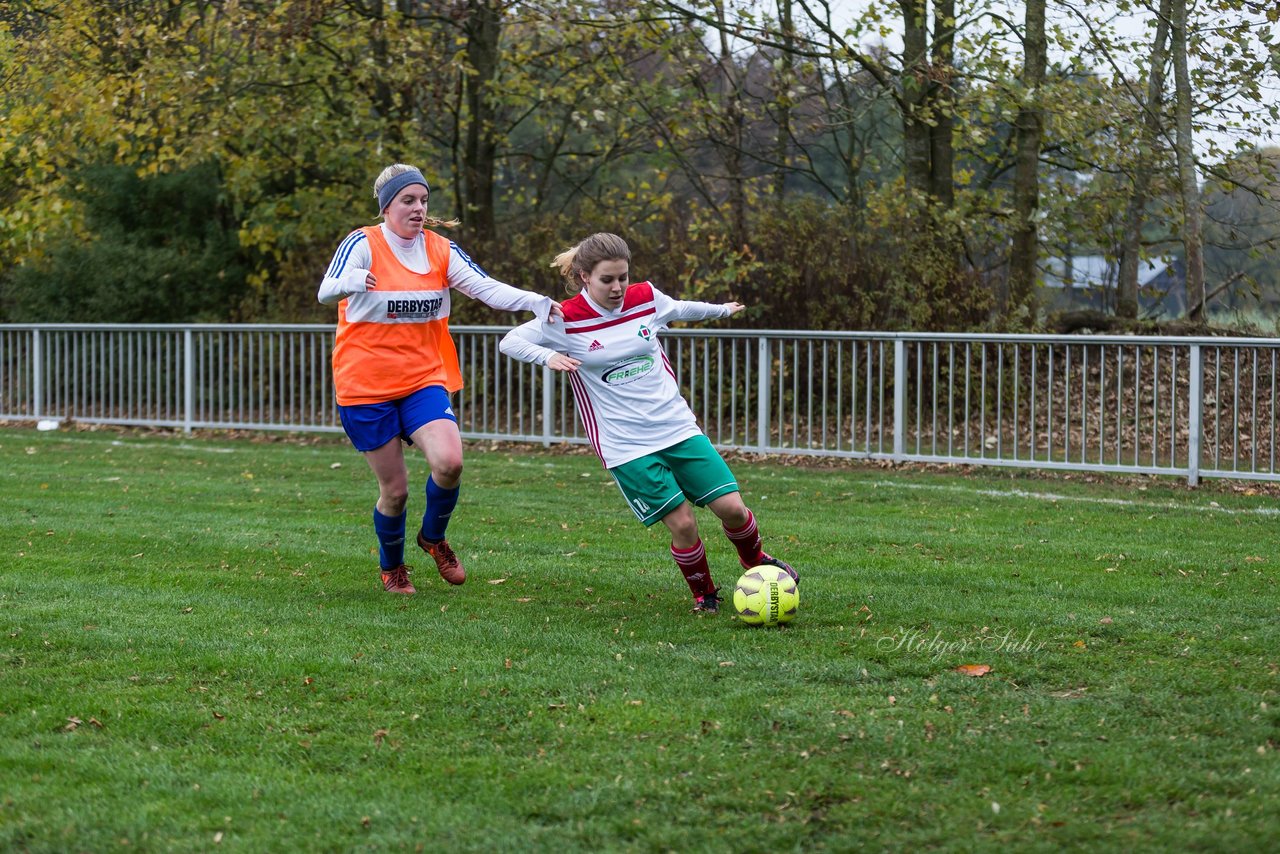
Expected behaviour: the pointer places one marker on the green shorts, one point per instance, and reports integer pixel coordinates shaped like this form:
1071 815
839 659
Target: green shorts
658 483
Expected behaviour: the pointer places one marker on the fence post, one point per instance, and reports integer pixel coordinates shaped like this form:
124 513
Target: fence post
188 380
37 373
762 403
1195 413
547 375
899 398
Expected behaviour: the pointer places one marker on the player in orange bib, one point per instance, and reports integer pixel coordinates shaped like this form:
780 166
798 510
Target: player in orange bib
394 363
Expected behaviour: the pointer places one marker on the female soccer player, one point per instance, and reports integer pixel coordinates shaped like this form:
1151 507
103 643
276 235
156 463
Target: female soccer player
394 363
634 415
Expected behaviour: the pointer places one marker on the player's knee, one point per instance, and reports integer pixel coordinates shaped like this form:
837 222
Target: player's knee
683 526
447 472
731 511
394 497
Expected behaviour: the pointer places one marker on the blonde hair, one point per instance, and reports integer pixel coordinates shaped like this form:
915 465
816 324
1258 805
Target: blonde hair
581 259
397 169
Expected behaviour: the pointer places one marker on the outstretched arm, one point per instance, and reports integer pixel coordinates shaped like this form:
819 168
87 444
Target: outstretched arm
467 277
669 309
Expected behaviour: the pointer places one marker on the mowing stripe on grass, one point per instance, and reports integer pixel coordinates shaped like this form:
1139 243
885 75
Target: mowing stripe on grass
1080 499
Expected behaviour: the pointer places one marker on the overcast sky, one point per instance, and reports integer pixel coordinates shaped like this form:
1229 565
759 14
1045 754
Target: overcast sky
1134 26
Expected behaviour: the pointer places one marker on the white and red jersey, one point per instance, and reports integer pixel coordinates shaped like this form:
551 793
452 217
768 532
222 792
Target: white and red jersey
625 390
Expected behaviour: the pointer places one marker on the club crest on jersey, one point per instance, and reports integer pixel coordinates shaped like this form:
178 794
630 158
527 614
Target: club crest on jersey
595 345
645 332
628 371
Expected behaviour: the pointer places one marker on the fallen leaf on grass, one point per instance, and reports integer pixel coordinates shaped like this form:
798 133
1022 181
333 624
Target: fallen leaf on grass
378 736
497 580
973 669
1106 621
1070 694
72 723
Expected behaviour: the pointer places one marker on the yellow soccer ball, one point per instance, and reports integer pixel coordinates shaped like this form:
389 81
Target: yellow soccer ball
766 596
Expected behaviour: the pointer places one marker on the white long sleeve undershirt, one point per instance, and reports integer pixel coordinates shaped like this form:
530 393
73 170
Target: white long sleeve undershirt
351 264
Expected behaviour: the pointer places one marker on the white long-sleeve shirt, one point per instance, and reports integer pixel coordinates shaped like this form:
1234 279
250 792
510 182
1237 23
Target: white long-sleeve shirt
625 391
346 274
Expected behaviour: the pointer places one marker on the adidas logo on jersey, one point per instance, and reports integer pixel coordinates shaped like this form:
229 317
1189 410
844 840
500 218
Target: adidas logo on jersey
595 345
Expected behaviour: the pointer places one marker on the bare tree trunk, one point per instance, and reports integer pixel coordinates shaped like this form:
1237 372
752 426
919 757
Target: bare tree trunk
1192 239
733 125
915 93
785 78
482 29
942 104
383 98
1029 128
1131 241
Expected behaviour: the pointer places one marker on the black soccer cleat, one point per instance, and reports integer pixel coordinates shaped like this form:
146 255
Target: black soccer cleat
782 565
707 603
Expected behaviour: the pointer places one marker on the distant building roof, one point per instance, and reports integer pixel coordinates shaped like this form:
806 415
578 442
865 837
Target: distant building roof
1096 271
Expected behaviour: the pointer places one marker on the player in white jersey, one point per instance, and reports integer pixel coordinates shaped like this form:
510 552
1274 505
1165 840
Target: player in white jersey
631 408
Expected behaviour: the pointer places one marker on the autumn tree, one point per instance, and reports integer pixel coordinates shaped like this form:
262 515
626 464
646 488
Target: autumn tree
1029 129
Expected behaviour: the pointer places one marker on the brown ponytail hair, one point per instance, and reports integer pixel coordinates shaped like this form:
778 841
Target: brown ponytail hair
581 259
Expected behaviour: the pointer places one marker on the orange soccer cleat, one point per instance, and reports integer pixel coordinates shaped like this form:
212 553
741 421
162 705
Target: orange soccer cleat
395 579
446 561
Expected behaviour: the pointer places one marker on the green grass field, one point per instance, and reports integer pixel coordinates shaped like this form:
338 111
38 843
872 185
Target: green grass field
197 655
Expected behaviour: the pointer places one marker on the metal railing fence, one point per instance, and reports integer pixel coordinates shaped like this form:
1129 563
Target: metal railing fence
1189 407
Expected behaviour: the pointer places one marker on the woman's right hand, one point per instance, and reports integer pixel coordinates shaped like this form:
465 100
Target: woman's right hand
561 362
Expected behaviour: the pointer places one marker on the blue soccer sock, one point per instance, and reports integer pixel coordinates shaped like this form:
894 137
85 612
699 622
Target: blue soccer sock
440 504
390 531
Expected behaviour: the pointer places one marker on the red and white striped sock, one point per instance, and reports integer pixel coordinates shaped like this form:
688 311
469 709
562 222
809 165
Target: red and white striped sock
693 565
747 541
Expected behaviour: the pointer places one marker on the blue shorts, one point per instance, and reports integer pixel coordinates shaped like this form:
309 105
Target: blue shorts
369 426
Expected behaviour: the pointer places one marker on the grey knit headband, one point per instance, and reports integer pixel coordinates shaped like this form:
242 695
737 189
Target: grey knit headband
392 188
